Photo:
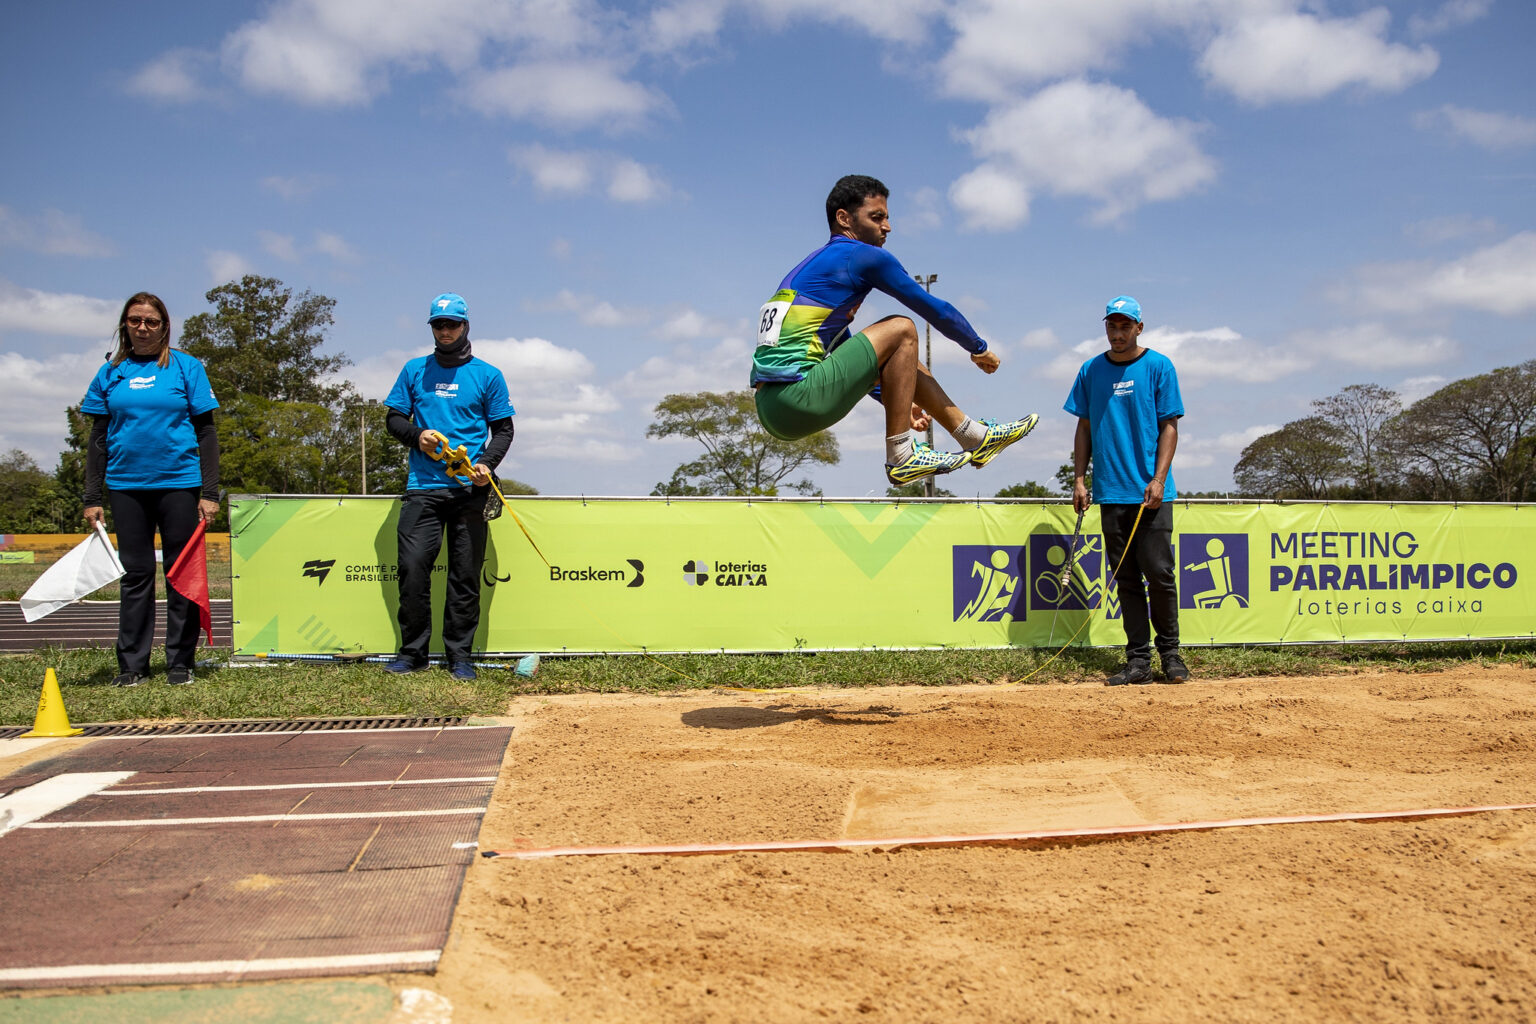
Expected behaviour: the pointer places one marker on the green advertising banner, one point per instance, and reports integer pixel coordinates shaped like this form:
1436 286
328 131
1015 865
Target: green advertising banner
317 575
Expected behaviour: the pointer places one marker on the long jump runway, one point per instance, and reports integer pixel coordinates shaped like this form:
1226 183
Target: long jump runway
233 856
92 624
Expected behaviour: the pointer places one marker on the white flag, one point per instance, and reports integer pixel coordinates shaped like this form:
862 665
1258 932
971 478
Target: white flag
89 566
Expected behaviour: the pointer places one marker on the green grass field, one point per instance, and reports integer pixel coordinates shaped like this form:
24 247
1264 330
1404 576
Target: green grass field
306 689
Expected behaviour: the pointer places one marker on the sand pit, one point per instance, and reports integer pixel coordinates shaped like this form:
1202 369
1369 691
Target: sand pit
1380 921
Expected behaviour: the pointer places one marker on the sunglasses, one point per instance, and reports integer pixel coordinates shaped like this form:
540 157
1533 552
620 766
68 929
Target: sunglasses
444 325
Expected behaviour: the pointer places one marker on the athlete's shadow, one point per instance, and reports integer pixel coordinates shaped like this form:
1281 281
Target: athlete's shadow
779 714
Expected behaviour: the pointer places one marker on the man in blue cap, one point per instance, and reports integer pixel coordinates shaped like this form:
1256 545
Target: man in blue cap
1128 408
440 402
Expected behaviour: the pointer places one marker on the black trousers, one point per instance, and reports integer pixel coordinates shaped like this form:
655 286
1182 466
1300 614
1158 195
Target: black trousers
1151 556
425 518
137 514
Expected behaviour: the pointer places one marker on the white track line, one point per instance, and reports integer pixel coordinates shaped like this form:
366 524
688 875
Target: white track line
992 839
237 968
301 785
333 816
43 798
290 732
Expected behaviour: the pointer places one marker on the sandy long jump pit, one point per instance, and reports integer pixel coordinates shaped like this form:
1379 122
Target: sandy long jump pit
1393 920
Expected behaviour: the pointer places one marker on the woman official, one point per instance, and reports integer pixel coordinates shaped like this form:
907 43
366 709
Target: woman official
153 443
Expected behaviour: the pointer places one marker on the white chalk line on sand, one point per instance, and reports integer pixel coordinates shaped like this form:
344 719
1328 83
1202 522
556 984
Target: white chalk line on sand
990 839
232 968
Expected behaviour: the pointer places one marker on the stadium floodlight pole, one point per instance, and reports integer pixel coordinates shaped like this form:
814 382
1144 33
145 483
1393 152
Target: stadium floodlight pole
927 283
362 435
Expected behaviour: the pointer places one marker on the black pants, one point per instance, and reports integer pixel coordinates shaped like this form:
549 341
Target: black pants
137 514
1151 556
425 516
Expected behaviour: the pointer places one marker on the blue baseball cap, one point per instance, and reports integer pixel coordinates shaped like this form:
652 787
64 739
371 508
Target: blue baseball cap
448 306
1125 306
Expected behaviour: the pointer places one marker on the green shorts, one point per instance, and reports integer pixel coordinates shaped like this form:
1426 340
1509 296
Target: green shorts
828 393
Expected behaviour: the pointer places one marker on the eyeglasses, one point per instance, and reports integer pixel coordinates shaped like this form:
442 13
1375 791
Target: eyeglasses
154 323
444 325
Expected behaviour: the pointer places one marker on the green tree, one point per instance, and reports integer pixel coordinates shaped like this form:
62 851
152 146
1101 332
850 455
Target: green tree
263 340
29 498
1473 437
1300 460
916 490
740 457
1361 413
1065 476
1028 489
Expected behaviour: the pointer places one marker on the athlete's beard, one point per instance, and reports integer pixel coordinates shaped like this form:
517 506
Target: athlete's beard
456 354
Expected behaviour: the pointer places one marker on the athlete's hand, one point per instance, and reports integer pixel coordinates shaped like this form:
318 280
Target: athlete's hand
429 440
480 474
987 360
207 510
93 515
920 418
1152 497
1080 500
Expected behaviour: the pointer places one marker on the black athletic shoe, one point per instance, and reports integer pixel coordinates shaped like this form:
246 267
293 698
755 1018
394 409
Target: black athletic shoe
179 677
462 670
403 666
127 679
1133 672
1174 669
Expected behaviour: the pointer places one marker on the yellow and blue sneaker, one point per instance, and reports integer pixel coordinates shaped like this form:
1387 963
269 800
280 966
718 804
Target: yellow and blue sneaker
925 462
1000 436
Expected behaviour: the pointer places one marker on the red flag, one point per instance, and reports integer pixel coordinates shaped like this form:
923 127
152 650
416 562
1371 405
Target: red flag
189 576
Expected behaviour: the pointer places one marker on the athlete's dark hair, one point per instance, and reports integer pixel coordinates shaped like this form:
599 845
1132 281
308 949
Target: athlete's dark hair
849 194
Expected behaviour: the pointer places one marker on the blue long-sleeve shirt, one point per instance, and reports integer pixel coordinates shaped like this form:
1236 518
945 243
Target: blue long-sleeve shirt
809 315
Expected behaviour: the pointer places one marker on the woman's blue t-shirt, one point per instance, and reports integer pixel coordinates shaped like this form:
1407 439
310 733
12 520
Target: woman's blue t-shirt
151 443
1125 405
459 402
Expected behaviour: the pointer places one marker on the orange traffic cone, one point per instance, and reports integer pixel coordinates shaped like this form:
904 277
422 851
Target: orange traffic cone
52 719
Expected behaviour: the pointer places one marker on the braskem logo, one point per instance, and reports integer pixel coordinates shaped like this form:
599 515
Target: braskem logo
987 580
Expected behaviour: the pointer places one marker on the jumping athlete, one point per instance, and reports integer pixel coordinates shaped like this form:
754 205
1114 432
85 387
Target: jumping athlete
809 373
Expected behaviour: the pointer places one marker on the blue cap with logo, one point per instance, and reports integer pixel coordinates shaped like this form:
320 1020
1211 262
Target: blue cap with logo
448 306
1125 306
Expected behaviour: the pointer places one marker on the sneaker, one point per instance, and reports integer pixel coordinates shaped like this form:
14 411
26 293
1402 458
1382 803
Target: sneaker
401 666
1000 436
179 677
1174 669
1133 672
127 679
925 462
462 670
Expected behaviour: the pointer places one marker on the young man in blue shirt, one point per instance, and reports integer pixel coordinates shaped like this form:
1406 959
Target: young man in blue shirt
1128 408
809 372
439 402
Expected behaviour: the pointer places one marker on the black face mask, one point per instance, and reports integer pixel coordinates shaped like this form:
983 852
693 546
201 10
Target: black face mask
453 355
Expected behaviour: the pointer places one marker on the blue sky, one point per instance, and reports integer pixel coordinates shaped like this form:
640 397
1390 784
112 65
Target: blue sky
1302 195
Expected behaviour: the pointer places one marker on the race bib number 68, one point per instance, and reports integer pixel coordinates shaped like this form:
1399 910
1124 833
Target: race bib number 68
770 319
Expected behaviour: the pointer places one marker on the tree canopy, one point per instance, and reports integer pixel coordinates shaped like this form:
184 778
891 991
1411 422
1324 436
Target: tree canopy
740 457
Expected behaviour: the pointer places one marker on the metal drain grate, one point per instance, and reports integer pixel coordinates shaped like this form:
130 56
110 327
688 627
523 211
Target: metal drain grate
10 732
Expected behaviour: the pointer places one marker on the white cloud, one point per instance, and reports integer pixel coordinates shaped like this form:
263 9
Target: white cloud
535 360
224 266
685 368
281 246
1498 279
1213 354
921 210
1414 388
172 76
1055 141
1040 339
1291 55
1452 14
688 323
51 232
1486 128
295 186
1375 345
1448 229
631 182
1196 452
568 93
335 247
39 390
594 312
80 316
554 170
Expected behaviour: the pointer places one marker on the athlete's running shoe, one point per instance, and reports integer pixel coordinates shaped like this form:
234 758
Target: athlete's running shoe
925 462
1000 436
